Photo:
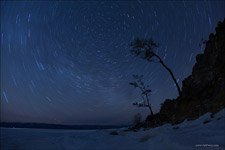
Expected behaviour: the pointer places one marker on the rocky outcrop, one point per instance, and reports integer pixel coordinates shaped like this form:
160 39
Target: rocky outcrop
203 91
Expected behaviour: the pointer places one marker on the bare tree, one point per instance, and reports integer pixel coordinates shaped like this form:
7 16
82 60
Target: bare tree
144 48
145 91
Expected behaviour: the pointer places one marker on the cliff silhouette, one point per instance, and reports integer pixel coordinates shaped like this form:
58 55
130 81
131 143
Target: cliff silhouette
203 91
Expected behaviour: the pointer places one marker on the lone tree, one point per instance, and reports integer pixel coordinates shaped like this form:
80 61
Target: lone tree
145 48
145 91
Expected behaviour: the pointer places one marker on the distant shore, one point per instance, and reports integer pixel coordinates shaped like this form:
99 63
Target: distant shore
58 126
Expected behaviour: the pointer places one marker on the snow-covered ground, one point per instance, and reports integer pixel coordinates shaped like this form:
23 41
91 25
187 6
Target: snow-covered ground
187 135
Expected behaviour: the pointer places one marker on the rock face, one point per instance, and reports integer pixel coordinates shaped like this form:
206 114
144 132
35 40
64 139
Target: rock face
203 91
207 81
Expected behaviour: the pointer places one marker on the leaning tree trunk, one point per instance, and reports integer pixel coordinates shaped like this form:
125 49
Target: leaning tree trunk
171 73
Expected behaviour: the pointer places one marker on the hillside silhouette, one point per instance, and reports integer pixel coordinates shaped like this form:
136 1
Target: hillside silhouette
203 91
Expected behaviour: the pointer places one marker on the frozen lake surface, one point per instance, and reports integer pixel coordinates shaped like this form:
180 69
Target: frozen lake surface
187 135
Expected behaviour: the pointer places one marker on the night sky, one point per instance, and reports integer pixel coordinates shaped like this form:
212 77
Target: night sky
70 62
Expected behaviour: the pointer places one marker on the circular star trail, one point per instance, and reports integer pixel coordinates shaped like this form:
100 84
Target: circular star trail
70 62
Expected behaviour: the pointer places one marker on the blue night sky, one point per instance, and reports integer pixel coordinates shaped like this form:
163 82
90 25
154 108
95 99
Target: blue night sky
70 62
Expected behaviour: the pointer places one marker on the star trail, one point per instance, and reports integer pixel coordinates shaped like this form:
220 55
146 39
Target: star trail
70 62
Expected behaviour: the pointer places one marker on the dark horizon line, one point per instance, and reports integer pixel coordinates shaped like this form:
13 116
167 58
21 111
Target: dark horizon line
57 126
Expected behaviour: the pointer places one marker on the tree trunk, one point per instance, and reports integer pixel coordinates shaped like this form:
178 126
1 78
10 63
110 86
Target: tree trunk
171 73
150 110
149 106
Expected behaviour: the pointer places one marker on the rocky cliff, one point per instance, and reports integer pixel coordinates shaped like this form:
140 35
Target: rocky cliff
203 91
